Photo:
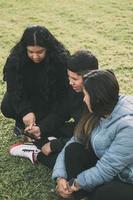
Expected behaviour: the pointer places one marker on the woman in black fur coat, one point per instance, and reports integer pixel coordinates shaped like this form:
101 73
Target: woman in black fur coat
37 83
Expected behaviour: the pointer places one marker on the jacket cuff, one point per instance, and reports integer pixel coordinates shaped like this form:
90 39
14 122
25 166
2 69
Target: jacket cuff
25 112
56 145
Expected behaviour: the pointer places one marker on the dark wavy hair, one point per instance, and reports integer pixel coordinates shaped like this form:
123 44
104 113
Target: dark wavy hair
55 60
103 89
82 61
41 36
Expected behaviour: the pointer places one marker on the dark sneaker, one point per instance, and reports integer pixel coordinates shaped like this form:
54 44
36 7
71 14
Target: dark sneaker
18 131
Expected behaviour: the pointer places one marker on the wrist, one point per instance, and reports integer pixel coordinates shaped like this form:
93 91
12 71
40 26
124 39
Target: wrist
58 179
74 183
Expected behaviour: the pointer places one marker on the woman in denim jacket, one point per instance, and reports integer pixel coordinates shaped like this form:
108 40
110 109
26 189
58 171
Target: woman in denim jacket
98 161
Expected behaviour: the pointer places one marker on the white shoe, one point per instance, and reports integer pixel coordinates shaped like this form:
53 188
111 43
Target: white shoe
51 138
27 150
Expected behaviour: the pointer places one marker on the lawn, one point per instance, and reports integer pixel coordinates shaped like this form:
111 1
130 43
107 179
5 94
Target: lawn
103 26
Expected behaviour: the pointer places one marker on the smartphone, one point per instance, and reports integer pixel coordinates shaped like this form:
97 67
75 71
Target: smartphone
29 135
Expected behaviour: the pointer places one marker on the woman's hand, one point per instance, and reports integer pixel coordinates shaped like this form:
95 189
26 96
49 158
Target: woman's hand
35 130
29 120
62 188
74 185
46 149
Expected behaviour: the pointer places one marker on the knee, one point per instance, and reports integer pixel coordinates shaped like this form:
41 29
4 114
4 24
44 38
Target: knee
74 149
107 191
5 109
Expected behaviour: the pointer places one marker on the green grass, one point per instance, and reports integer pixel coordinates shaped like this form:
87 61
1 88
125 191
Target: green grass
103 26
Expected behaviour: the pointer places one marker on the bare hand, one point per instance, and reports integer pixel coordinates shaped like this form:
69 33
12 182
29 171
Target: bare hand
46 149
74 188
29 120
35 130
62 188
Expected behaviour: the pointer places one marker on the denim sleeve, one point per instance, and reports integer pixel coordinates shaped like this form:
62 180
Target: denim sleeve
115 159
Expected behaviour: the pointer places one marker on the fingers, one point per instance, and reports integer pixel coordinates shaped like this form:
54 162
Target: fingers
46 149
62 188
29 127
65 193
29 120
34 131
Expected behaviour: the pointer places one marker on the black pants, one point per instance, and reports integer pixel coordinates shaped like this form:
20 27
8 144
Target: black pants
48 161
65 133
9 111
77 159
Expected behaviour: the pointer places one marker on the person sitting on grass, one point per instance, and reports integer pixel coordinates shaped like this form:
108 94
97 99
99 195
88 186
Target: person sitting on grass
80 63
37 84
37 81
98 161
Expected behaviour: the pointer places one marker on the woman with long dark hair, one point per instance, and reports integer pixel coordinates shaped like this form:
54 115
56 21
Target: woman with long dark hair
97 162
36 77
80 63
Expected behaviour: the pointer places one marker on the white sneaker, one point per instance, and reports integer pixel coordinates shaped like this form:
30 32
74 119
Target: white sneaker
51 138
27 150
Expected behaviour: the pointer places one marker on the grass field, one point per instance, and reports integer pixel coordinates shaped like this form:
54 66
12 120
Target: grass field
103 26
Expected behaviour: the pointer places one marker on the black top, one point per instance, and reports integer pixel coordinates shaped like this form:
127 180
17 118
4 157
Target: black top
35 87
43 89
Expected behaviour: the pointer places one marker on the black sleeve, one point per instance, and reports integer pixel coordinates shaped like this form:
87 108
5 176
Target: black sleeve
67 104
70 107
15 87
50 123
58 144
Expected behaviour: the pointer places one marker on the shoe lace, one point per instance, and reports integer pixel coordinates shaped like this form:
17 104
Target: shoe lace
29 150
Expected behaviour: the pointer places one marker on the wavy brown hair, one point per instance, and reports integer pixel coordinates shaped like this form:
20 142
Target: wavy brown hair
103 90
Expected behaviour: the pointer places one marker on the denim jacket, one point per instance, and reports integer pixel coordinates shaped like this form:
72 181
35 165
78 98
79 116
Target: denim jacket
112 142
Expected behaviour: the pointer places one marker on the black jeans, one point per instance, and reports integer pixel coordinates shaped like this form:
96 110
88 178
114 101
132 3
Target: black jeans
8 111
78 159
48 161
64 133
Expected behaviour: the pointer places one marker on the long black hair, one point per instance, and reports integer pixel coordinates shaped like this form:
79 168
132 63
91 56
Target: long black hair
55 61
37 35
103 90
